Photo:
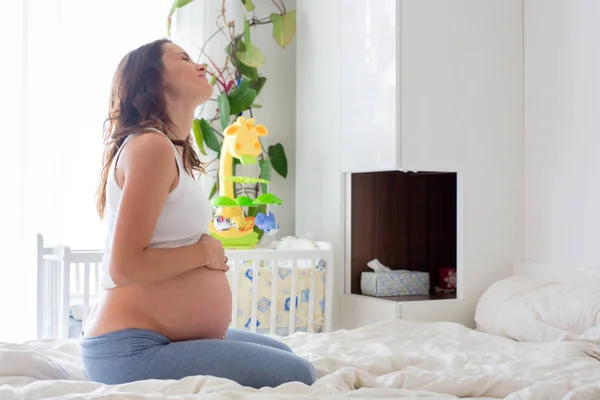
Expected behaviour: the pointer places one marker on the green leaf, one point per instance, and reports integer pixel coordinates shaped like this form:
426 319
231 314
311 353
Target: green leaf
258 232
244 201
213 80
249 5
284 27
247 40
252 57
268 198
278 159
198 136
213 191
254 105
247 160
258 84
248 72
239 46
229 49
223 201
209 136
265 173
176 4
241 97
223 104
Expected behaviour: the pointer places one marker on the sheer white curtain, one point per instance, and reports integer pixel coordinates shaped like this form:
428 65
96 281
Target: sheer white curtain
57 64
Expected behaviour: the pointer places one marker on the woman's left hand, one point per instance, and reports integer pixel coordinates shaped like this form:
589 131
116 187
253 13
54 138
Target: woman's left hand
222 267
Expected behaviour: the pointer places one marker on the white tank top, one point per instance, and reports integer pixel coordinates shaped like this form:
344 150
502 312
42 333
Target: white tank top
185 216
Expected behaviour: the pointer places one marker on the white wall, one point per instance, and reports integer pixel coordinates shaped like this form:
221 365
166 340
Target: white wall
462 110
194 24
319 180
17 296
562 131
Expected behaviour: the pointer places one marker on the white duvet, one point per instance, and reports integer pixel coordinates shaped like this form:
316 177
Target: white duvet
392 360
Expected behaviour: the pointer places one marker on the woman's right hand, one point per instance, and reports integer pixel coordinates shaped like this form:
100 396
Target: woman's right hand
214 253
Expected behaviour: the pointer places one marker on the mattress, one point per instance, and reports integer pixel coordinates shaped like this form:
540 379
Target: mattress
395 359
285 300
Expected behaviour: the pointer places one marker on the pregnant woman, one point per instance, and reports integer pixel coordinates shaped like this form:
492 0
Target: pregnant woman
166 303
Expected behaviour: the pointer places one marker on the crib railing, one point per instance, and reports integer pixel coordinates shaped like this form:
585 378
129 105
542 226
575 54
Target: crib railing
68 276
60 283
52 291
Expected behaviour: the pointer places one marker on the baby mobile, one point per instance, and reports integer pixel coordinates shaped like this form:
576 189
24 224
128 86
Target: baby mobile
231 224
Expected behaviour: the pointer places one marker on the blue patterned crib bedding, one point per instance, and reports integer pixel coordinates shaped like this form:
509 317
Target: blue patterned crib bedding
266 305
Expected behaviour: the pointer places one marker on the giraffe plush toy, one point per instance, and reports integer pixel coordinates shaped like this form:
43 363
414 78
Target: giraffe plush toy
229 224
241 140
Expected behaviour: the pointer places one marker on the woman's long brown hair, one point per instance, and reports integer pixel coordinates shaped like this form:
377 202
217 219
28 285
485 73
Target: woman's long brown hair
137 102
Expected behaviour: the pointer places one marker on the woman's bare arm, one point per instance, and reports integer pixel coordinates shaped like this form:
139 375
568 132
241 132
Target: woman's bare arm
149 170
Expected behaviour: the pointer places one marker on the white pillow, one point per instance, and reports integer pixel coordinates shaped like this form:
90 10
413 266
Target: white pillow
533 310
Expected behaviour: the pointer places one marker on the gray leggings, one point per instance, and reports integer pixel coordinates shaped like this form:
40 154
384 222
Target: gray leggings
248 358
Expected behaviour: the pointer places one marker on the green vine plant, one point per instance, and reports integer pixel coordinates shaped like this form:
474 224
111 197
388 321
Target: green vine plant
238 82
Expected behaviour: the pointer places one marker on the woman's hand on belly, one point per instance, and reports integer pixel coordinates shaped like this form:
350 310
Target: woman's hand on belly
216 253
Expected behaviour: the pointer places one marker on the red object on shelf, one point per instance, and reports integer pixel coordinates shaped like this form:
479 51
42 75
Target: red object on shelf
447 279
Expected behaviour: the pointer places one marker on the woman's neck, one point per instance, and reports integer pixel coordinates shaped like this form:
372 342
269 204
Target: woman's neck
182 117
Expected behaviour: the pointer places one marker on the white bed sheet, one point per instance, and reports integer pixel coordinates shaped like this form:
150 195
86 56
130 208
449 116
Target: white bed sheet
395 359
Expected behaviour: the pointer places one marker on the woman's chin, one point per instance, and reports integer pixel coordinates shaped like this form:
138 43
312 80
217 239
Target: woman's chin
205 93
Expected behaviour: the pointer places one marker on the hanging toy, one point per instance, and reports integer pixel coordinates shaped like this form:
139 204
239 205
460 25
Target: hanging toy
230 224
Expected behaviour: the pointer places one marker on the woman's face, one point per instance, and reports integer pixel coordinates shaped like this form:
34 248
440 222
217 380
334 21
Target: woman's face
184 79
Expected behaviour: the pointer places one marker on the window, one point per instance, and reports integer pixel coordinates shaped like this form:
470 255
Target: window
58 66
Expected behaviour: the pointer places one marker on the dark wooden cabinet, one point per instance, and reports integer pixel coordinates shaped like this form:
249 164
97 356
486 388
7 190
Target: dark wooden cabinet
406 220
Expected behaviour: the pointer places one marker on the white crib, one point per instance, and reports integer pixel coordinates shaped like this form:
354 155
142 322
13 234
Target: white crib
68 285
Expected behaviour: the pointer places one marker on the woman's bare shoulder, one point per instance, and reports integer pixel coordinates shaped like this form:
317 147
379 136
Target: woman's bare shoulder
149 148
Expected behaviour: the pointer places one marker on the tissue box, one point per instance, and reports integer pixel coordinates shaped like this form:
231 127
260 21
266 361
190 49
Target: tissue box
394 283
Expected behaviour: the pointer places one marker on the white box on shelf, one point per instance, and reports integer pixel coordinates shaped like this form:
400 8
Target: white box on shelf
395 283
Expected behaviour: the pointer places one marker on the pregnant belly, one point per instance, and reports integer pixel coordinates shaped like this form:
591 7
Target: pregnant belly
194 305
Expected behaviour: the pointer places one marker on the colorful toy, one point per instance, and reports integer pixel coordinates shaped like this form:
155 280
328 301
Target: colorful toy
230 224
